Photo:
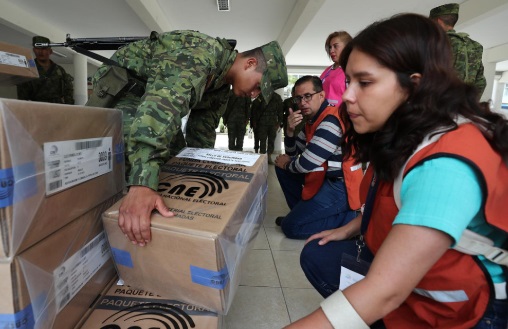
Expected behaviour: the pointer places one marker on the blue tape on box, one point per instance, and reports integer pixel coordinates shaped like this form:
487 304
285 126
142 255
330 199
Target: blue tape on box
24 319
122 257
119 152
209 278
17 184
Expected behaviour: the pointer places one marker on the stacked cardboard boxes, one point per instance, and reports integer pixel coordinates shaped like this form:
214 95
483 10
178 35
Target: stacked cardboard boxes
17 64
124 307
61 166
219 201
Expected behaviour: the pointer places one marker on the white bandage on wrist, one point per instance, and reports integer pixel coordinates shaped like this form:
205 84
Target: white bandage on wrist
341 313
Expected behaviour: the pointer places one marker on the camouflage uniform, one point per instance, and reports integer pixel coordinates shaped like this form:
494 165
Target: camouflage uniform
52 86
178 67
287 104
467 53
468 60
266 119
205 117
236 118
203 120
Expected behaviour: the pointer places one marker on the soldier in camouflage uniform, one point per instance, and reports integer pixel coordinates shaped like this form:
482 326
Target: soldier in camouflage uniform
54 85
178 68
203 121
467 52
267 119
235 119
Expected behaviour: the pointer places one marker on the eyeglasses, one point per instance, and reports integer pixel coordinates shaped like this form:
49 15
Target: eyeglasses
306 97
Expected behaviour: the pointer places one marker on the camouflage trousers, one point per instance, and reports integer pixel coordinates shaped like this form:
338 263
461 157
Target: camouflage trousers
236 134
264 136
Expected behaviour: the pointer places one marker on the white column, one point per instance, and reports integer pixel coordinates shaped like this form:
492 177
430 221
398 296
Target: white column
490 75
497 95
80 79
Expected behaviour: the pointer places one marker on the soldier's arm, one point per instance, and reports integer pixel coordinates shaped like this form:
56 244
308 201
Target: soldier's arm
68 88
480 81
168 97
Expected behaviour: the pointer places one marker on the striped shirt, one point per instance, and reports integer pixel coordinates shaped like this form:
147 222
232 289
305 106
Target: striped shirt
324 146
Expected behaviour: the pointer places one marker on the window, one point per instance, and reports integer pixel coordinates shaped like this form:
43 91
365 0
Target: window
504 102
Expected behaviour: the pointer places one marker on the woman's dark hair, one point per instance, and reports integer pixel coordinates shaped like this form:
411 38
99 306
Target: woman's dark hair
407 44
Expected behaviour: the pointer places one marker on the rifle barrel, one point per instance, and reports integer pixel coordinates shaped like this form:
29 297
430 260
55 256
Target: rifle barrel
45 44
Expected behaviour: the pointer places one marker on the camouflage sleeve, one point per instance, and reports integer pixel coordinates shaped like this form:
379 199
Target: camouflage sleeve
176 82
68 88
479 81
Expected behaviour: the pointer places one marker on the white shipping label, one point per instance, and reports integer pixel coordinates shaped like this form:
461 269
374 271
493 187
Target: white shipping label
76 271
73 162
221 156
13 59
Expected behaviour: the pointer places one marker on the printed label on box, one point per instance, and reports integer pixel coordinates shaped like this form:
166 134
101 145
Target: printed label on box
73 162
76 271
13 59
222 156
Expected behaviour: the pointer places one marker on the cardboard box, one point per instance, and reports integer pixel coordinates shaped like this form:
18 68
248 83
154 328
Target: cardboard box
124 307
56 162
196 256
17 65
53 283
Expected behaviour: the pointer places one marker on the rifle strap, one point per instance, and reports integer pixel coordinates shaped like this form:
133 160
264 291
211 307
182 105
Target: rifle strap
93 55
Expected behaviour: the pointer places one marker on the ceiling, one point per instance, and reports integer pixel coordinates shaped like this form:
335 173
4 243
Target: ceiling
300 26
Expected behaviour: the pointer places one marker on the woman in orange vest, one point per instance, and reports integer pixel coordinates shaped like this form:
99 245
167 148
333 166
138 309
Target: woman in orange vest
411 117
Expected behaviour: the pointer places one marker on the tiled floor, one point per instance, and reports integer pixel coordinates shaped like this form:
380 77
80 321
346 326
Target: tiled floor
273 290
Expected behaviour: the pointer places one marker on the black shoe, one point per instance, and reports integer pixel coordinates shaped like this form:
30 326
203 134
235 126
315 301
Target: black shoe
278 220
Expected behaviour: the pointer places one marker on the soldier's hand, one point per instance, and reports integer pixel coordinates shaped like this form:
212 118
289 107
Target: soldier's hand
135 212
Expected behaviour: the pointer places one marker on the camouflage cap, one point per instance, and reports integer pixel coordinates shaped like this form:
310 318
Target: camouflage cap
39 39
448 9
276 74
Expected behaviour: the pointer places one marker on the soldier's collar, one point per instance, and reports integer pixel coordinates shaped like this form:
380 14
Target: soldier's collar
219 81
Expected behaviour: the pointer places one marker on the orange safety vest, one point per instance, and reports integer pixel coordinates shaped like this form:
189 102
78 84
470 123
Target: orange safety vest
455 292
352 172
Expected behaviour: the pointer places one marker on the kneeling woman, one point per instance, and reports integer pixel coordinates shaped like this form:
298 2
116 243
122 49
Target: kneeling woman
410 116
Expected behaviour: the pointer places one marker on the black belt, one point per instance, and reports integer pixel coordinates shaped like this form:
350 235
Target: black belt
335 179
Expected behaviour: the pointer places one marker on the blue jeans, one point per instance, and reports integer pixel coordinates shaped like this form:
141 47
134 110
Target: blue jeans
328 209
496 316
321 264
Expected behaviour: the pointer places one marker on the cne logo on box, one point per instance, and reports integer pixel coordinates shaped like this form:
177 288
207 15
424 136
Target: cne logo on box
193 184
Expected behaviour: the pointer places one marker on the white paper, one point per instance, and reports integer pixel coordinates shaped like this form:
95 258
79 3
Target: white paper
222 156
348 277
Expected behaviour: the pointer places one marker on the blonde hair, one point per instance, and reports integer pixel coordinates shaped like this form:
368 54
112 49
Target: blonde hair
342 35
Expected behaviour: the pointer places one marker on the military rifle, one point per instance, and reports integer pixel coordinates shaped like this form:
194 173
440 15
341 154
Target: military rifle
86 45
